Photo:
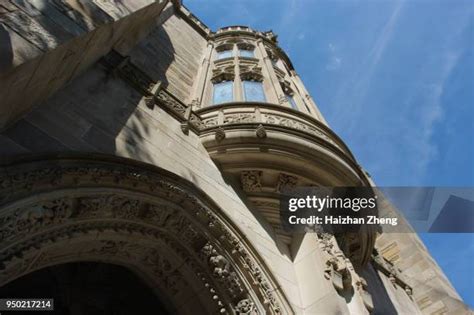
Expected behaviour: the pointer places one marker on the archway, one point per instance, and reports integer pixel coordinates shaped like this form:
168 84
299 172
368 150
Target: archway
113 210
88 288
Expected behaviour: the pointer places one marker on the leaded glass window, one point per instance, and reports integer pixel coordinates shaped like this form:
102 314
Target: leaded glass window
224 54
246 53
223 92
292 102
253 91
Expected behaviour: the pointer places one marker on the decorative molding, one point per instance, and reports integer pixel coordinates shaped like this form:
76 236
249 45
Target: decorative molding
223 71
250 70
295 124
245 307
154 93
71 203
269 117
210 122
239 118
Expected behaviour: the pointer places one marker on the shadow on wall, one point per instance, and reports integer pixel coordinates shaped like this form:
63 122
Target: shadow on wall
62 20
6 52
382 302
96 112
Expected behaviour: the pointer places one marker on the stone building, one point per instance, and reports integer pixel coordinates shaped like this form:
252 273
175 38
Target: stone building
144 153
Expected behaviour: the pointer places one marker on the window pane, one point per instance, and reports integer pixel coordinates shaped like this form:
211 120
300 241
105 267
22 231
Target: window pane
223 92
253 91
247 53
292 101
224 54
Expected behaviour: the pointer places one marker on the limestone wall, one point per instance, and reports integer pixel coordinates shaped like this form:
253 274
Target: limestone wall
45 44
171 54
99 112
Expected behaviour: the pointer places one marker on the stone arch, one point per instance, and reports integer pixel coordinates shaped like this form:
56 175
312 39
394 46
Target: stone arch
109 209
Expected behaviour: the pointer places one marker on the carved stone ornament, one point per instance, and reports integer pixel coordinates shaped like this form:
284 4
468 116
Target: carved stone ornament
251 72
112 209
154 93
220 134
282 100
386 267
286 182
129 72
251 181
296 124
245 307
286 87
239 118
223 72
337 269
261 132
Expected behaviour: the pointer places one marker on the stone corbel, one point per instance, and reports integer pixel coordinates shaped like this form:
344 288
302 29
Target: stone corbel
339 274
220 134
151 100
336 268
123 67
261 132
187 116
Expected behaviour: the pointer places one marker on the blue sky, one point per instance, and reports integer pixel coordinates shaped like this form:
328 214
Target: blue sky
395 79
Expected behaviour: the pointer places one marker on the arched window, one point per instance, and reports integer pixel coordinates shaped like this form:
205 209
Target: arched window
246 50
291 100
246 53
224 54
223 92
224 50
289 93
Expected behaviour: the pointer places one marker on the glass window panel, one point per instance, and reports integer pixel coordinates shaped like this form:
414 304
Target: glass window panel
292 102
224 54
247 53
253 91
223 92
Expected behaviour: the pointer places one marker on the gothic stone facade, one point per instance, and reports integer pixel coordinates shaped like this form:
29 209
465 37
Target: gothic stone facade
132 134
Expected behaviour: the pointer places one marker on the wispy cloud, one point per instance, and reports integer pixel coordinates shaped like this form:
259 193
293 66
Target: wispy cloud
335 60
361 82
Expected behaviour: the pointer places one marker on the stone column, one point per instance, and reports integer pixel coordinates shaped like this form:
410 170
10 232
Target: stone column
238 92
278 95
306 97
196 97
